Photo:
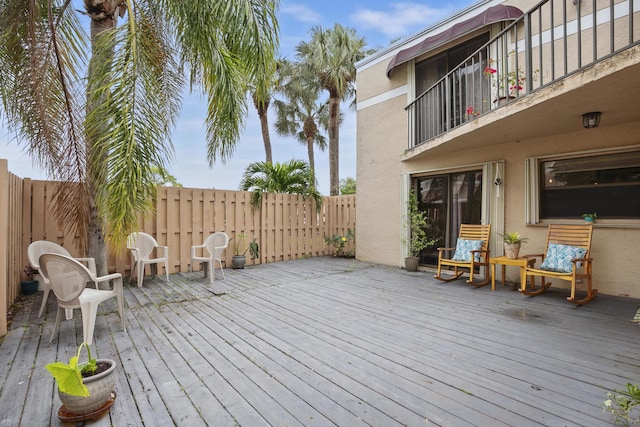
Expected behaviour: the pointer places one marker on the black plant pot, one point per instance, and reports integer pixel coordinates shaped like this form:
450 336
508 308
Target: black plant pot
238 261
29 287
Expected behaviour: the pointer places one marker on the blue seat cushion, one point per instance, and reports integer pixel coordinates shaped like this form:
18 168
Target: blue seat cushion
464 248
558 257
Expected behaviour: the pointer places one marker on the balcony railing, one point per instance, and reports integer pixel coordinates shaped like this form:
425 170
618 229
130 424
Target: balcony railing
548 43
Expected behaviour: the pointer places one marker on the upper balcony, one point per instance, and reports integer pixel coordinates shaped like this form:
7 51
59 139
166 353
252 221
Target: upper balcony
536 77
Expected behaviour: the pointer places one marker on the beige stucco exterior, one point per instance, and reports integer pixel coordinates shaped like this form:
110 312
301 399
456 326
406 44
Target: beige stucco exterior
547 122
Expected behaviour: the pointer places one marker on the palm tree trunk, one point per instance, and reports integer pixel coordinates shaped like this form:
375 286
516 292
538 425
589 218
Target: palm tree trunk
334 150
312 162
100 22
264 124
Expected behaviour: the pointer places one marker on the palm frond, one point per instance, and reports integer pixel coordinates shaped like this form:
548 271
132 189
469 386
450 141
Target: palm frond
240 51
42 49
136 102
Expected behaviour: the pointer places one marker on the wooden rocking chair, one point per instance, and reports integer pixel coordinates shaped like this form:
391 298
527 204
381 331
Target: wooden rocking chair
471 251
567 257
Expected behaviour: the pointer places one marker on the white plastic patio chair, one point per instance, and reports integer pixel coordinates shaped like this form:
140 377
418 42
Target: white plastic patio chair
142 246
68 280
212 251
39 247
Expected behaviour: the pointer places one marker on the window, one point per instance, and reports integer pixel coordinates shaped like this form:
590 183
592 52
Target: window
606 183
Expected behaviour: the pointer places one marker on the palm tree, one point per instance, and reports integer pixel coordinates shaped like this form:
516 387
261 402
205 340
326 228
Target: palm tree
292 177
300 114
101 124
262 94
262 107
331 55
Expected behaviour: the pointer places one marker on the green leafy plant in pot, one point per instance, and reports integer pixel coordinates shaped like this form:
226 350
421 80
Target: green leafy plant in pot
417 223
512 243
590 217
239 258
87 387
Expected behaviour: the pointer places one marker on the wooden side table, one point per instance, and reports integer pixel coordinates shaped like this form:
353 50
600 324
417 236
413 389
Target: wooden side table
504 261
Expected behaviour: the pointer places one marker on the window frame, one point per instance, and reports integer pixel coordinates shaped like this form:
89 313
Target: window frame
533 187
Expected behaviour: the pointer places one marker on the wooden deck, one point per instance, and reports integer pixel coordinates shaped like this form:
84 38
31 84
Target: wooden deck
324 341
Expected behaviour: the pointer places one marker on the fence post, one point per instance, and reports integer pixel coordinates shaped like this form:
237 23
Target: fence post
4 243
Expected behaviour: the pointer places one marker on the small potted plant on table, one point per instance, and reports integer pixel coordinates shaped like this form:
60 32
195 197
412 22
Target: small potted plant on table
512 243
590 217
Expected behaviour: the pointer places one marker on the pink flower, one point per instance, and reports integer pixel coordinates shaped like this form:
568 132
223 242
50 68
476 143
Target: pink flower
470 110
490 70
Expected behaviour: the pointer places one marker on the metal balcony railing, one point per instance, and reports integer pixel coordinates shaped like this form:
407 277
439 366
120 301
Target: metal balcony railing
553 40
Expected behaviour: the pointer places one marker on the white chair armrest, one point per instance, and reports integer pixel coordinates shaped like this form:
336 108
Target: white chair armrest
165 250
134 252
109 277
194 248
91 264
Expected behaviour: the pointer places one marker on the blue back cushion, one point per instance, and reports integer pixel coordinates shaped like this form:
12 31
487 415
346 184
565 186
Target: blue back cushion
464 248
558 257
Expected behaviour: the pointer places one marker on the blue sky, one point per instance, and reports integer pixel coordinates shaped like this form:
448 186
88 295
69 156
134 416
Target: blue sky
377 21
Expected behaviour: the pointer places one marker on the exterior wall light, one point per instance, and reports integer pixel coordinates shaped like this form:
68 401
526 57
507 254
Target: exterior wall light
591 120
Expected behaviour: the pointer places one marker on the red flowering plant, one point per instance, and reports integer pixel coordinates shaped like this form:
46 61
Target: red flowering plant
514 80
472 112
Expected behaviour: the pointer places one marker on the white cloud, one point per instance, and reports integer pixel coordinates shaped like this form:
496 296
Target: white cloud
403 18
301 13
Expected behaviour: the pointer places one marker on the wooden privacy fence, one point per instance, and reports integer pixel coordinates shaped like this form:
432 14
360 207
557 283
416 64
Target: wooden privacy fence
285 227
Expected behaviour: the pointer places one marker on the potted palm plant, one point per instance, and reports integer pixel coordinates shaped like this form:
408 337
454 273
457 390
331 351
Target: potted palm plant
512 243
85 389
417 223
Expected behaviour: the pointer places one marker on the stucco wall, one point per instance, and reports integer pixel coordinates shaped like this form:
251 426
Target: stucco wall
381 140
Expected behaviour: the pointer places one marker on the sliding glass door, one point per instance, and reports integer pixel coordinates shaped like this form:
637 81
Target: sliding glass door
449 200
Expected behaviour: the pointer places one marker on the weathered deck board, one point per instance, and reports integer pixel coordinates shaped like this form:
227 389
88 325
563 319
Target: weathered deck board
325 341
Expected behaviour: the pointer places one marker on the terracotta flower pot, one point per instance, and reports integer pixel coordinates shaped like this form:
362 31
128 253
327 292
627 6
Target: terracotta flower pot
511 250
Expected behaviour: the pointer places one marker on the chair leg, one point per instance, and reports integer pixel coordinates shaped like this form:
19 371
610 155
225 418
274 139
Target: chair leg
140 274
119 297
221 269
591 293
544 285
133 269
89 312
456 274
486 280
56 326
211 265
45 296
166 269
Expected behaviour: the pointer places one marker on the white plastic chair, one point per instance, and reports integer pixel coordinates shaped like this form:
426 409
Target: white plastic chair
212 251
39 247
68 280
141 246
